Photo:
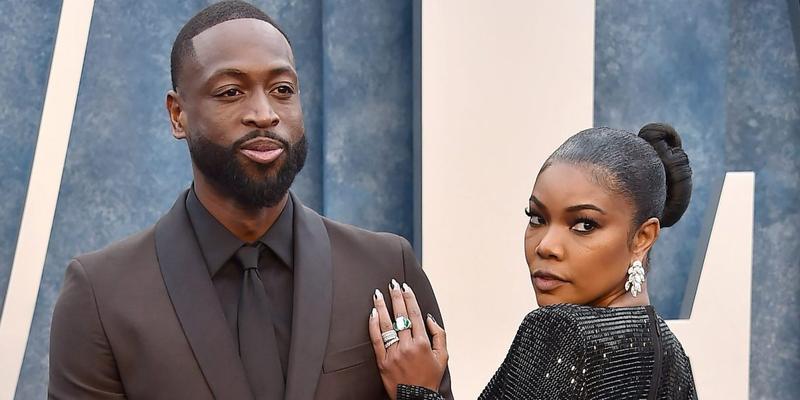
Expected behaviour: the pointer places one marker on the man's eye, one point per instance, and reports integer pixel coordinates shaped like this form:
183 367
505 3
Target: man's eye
230 92
584 226
284 90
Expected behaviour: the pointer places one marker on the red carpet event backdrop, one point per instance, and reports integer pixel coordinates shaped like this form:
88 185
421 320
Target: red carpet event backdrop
430 119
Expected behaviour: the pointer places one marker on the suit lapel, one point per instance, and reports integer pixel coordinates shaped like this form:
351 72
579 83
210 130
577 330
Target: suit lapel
313 298
195 301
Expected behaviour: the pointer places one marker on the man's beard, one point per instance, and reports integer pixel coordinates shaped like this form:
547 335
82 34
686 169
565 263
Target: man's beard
227 173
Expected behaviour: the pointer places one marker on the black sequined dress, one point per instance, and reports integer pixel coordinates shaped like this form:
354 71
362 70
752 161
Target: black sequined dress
580 352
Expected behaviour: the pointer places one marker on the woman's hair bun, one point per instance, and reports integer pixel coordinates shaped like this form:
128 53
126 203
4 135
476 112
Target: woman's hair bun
667 143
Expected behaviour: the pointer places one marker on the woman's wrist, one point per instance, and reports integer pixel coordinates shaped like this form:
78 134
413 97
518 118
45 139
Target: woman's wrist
416 392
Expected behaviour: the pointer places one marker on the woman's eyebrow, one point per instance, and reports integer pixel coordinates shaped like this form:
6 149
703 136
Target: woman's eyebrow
538 203
580 207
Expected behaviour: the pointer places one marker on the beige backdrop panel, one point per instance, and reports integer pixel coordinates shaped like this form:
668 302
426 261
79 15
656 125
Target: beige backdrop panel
503 84
717 336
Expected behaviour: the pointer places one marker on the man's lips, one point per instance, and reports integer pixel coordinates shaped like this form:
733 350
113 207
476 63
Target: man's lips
262 150
546 281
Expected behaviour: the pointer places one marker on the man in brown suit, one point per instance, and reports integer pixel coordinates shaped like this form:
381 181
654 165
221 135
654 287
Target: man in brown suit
239 291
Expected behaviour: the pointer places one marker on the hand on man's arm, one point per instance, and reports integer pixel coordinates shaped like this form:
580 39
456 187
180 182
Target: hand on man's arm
416 278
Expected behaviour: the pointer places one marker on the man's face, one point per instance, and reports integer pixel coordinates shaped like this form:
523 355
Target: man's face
239 110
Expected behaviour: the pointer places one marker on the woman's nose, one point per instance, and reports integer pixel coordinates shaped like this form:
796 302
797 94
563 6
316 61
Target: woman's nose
550 246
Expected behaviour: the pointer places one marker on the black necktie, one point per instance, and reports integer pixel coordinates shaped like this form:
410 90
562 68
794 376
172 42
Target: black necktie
258 348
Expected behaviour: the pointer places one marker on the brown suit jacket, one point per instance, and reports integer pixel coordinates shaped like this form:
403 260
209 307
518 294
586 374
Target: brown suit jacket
140 319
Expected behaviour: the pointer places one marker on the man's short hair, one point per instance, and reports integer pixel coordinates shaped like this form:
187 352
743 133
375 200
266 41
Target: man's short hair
208 17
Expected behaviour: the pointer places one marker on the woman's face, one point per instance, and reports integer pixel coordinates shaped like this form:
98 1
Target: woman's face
578 240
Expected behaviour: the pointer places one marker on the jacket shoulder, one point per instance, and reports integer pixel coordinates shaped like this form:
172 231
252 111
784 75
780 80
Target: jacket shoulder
120 254
353 234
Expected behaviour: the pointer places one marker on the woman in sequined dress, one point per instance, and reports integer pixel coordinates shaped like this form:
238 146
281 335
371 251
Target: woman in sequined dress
596 209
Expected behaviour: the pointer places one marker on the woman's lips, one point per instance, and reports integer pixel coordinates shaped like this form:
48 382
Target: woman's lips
546 282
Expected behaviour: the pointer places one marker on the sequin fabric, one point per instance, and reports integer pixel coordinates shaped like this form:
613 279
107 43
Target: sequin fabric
580 352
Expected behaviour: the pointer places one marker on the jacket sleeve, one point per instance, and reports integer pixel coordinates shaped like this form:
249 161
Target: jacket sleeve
411 392
82 365
418 281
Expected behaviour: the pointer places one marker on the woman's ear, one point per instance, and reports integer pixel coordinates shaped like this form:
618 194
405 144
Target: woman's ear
645 237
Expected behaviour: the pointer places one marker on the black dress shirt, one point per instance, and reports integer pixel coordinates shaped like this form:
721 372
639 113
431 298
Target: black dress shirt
276 267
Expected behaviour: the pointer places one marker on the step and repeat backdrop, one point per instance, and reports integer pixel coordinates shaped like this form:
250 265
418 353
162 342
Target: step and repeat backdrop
430 119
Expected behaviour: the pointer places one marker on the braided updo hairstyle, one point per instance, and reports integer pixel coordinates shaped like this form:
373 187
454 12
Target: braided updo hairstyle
650 169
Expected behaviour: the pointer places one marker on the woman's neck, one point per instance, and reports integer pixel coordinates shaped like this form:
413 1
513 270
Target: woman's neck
623 298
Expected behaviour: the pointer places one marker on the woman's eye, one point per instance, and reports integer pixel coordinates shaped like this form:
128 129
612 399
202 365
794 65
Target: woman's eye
535 220
584 226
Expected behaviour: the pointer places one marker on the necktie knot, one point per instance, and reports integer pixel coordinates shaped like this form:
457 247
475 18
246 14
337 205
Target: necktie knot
247 256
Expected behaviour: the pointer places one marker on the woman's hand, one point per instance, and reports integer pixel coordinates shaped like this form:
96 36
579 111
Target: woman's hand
414 359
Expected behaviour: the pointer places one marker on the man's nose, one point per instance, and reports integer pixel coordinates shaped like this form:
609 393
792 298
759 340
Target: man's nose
259 113
551 245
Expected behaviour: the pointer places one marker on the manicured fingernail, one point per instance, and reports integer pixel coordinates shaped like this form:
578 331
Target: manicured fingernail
432 319
394 285
378 295
406 288
373 313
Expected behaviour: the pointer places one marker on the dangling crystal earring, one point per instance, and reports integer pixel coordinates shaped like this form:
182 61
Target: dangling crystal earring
635 278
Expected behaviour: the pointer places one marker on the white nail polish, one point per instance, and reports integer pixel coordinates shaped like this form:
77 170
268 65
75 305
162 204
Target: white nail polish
395 285
373 313
378 294
406 288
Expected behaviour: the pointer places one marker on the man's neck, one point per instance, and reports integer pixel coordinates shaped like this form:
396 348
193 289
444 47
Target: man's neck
247 224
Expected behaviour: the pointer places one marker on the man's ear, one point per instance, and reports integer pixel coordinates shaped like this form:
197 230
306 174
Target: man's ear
645 237
177 118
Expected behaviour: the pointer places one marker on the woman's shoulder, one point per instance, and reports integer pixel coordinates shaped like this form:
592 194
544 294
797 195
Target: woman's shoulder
578 318
575 347
581 313
604 328
560 320
557 312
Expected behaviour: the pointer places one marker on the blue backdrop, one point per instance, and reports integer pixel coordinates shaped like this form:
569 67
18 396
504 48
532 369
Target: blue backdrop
724 72
24 67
